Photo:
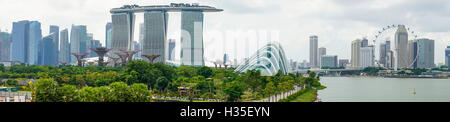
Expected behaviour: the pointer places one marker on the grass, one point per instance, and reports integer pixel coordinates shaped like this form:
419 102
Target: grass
307 96
321 87
304 95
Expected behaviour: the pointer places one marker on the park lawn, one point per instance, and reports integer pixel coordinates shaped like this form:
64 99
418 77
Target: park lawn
307 96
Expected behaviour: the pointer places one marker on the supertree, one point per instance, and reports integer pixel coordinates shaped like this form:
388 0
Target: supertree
123 57
101 51
80 57
151 58
130 53
114 59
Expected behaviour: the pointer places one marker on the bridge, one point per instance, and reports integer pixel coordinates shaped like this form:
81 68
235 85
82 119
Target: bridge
334 72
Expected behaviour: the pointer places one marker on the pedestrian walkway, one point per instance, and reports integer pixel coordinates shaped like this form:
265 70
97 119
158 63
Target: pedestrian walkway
278 97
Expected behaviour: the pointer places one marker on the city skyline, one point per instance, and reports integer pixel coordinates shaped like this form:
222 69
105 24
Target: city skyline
335 30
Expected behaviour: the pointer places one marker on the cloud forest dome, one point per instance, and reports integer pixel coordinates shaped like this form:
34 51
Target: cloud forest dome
269 60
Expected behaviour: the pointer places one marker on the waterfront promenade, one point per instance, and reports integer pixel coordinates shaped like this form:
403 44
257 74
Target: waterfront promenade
278 97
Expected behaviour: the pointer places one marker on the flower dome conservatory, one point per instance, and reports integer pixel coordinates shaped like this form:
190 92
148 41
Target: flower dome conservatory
269 60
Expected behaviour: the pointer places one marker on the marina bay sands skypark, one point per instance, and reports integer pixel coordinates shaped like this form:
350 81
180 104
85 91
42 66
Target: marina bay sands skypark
155 30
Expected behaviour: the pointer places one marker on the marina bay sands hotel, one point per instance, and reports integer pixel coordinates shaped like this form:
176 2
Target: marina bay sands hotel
155 30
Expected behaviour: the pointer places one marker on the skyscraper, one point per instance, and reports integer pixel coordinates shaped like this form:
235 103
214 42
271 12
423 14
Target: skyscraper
412 48
292 63
141 41
356 47
388 45
55 29
5 46
329 61
192 50
364 42
425 53
401 47
64 52
385 48
55 44
390 60
122 31
447 56
141 32
137 46
155 29
89 44
172 49
313 54
225 58
34 55
322 52
108 33
20 38
382 58
367 56
78 37
49 57
343 62
94 44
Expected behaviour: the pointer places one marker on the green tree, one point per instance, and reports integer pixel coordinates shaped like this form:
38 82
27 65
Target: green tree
161 83
165 70
270 89
234 91
88 94
186 71
2 67
311 74
284 87
104 94
68 93
132 77
140 93
249 96
11 82
309 82
46 90
205 71
205 86
144 71
120 92
372 70
252 79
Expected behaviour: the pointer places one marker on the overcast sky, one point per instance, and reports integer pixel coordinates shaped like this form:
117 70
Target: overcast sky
336 22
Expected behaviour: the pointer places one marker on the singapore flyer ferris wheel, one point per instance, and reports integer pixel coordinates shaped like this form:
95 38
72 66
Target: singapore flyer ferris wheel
391 31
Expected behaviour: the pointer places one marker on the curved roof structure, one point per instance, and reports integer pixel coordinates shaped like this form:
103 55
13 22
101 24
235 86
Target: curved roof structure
269 60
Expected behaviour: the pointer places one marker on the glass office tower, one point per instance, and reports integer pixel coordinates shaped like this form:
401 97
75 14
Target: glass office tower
64 51
20 37
78 37
34 56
